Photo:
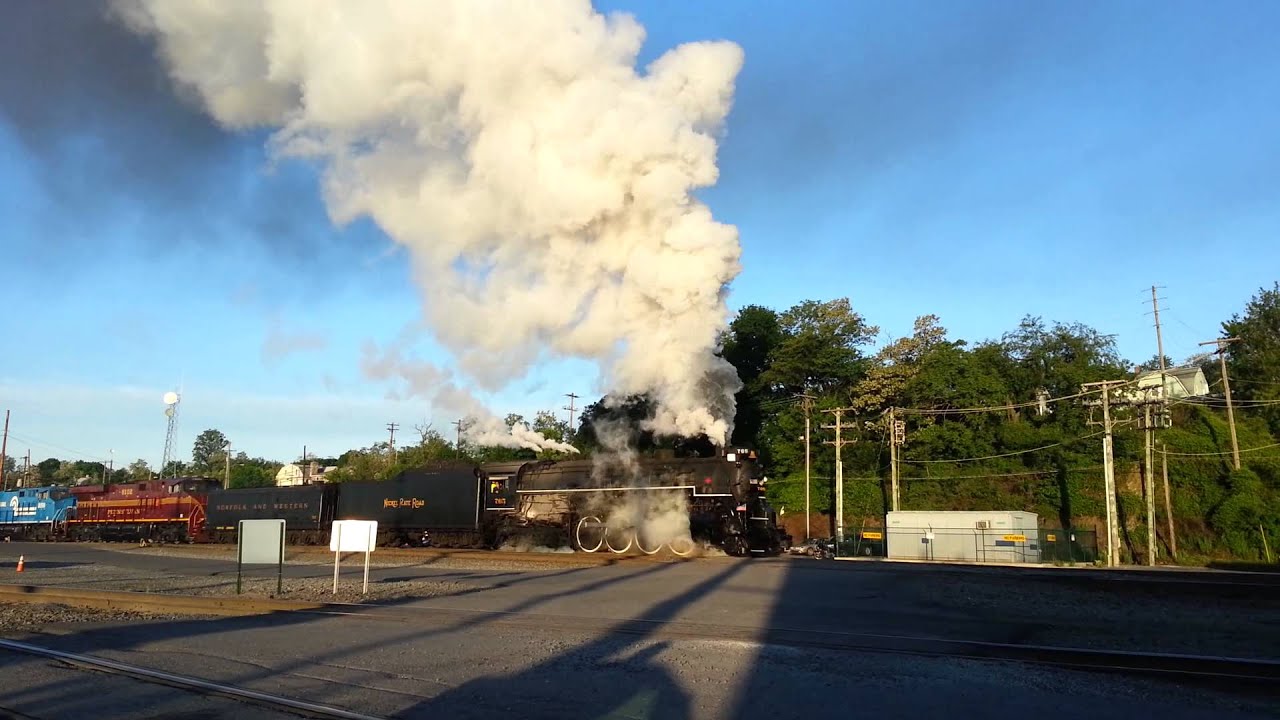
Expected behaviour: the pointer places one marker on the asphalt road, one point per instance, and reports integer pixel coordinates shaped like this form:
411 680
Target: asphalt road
567 643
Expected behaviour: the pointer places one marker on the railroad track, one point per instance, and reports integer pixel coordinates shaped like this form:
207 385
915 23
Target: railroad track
1232 671
186 682
1131 577
597 559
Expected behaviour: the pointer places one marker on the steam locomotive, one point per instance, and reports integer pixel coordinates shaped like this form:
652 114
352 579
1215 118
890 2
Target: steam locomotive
647 505
590 506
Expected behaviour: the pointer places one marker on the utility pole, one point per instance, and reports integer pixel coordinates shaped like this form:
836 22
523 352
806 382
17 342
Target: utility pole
26 470
1226 389
840 442
1108 470
570 408
808 409
457 446
1153 419
897 436
226 473
306 467
393 427
1155 307
1148 482
1168 504
4 450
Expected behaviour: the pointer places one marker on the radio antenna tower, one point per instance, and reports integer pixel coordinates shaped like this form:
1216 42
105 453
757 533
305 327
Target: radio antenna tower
171 401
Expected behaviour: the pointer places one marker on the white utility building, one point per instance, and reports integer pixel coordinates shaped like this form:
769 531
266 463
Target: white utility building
998 536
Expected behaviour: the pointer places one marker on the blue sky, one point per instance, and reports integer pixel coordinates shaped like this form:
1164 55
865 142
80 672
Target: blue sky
981 161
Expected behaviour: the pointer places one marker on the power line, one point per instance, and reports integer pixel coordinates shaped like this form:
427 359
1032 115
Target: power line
1013 406
1009 454
778 403
1257 382
1003 475
1218 454
75 454
1221 402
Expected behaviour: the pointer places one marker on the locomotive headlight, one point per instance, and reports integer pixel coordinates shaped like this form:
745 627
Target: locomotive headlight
731 457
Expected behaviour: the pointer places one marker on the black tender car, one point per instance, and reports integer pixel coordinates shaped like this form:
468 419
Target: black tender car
307 511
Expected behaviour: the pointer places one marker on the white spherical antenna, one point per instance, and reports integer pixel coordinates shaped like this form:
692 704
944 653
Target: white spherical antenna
170 398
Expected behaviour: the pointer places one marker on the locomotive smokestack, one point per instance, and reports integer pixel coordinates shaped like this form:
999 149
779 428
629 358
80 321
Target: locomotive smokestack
541 184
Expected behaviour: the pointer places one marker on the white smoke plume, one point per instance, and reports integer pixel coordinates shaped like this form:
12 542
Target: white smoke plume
436 385
542 185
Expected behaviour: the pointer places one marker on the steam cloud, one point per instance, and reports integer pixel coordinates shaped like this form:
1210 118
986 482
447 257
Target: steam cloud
541 184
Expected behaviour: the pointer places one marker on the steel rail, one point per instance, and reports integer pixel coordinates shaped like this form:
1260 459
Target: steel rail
187 682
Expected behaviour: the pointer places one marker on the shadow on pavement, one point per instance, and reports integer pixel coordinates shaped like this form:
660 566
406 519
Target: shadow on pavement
615 675
60 700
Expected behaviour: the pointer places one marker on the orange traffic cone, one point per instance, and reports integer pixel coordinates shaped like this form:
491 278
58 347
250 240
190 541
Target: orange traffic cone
21 558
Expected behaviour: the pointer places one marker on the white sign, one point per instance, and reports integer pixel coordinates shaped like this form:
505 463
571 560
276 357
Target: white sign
353 536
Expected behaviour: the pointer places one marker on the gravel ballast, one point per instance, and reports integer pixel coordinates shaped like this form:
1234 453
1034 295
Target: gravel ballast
34 617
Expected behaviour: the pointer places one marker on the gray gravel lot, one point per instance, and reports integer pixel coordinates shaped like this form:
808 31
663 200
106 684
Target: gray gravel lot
16 618
258 583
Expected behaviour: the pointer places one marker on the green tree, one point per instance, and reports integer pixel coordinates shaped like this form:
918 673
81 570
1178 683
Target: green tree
48 470
1059 358
820 350
177 468
753 336
552 428
895 365
1154 363
139 470
210 450
1254 359
252 472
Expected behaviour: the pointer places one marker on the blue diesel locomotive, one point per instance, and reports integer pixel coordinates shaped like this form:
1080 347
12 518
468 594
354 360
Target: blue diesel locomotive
38 513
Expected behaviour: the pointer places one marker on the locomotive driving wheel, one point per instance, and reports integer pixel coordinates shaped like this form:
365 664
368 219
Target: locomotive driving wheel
642 547
590 533
682 546
614 539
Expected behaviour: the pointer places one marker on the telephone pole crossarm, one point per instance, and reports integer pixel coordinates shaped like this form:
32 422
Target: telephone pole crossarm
571 407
